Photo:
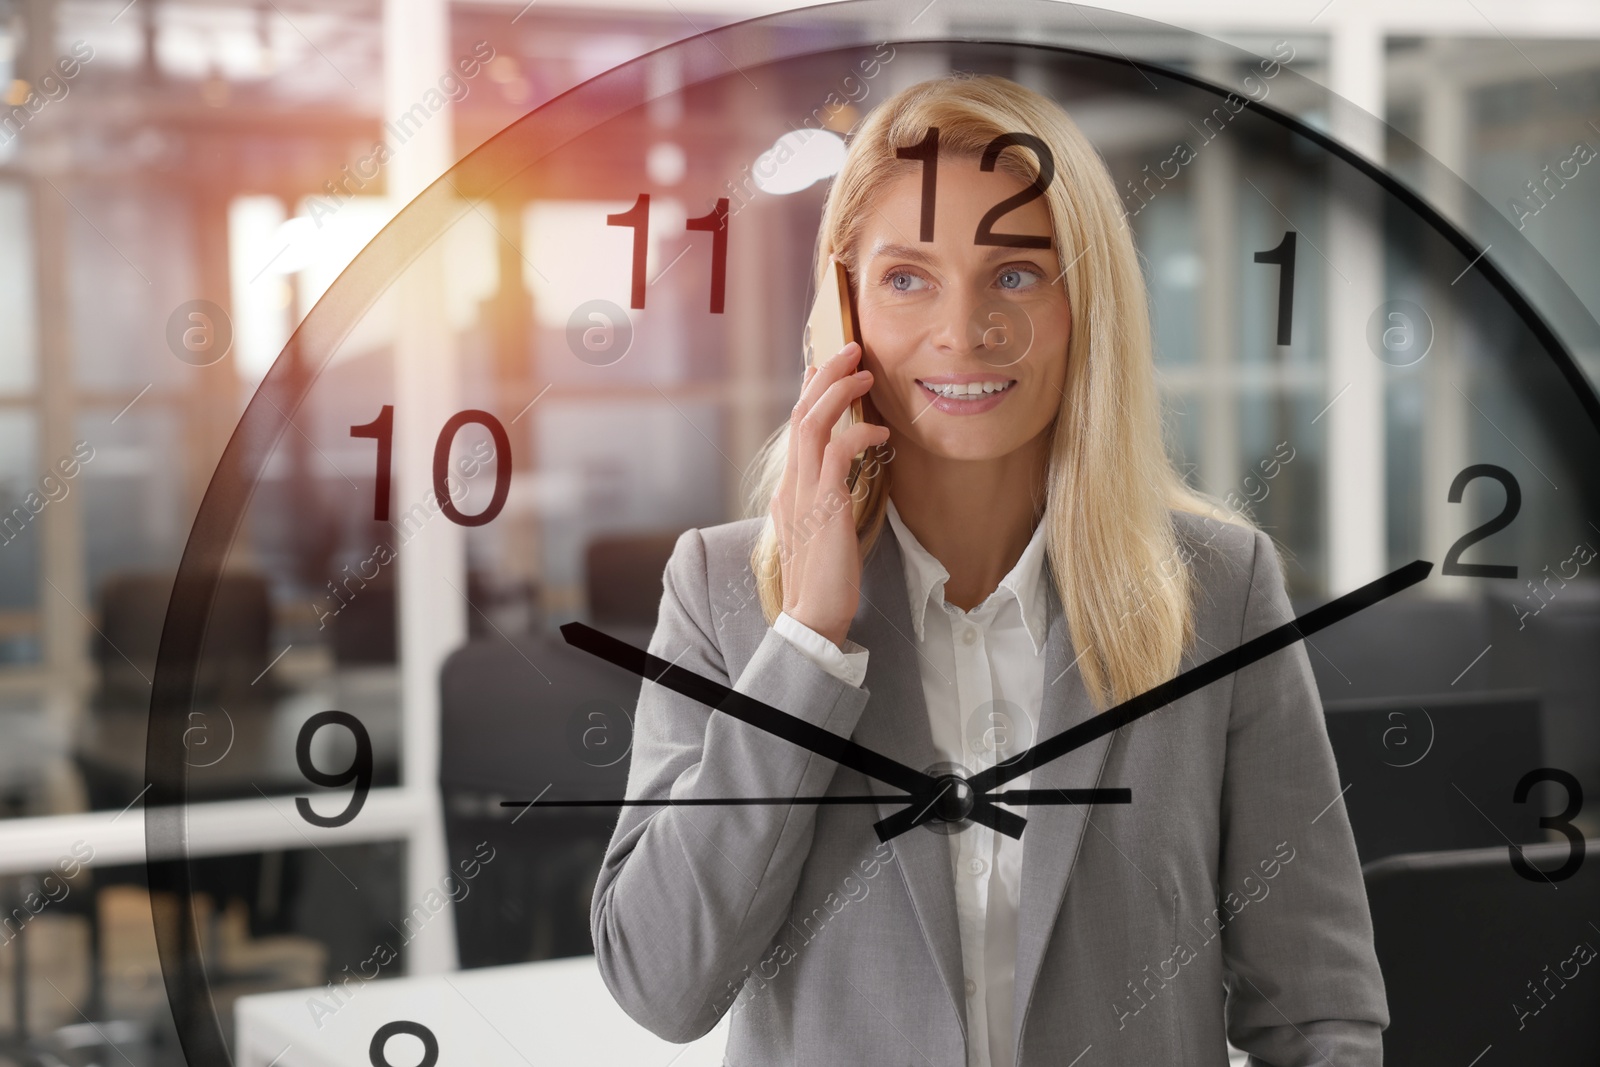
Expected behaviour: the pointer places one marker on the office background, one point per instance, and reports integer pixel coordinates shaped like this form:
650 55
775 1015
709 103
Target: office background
163 158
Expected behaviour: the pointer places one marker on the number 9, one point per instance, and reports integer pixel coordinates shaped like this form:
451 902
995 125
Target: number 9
359 771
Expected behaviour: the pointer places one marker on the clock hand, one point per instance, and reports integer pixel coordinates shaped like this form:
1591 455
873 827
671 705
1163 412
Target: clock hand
842 750
1201 675
1031 797
701 802
1010 796
1176 688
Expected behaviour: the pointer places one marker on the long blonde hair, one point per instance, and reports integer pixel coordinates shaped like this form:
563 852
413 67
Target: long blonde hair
1123 583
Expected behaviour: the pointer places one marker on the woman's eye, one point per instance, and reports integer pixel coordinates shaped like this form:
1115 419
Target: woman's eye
1018 278
902 282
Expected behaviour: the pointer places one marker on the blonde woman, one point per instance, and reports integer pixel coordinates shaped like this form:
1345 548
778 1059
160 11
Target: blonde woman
1016 556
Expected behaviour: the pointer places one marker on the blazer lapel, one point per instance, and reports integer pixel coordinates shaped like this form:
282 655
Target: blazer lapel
895 723
1054 833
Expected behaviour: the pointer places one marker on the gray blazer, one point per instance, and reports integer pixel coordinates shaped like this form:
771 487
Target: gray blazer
1225 900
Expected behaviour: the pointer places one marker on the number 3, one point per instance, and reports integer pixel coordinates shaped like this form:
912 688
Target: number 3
1569 782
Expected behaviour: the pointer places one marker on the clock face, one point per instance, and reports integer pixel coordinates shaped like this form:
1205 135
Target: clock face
569 349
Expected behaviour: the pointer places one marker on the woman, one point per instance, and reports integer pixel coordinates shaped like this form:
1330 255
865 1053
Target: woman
1016 555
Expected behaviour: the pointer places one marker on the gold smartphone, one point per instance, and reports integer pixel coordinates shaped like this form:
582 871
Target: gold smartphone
831 326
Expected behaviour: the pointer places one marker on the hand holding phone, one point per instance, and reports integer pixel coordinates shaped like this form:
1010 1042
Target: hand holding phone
814 522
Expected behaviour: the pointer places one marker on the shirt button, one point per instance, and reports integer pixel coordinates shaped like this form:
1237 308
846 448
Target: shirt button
972 988
976 866
969 635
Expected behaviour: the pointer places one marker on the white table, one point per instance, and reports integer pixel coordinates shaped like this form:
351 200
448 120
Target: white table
552 1014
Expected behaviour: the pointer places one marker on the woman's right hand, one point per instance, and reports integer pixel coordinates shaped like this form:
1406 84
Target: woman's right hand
811 509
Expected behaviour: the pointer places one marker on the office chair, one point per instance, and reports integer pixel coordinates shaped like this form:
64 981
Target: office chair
525 716
133 607
1398 648
1475 956
1436 772
514 716
622 576
1554 651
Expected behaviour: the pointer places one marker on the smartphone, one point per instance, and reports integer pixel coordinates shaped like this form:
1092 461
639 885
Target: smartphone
831 326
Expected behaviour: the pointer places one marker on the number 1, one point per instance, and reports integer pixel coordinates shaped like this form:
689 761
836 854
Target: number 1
926 150
1283 256
637 217
716 221
380 429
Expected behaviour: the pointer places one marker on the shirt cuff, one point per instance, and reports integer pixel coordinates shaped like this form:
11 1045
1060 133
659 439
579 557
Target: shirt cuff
849 666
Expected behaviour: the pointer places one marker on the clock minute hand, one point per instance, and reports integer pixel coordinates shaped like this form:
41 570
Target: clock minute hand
1182 685
1202 675
747 709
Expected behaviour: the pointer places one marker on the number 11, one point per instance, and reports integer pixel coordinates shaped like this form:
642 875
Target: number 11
637 218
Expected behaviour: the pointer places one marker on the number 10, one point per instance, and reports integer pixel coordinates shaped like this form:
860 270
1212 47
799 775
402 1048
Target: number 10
381 430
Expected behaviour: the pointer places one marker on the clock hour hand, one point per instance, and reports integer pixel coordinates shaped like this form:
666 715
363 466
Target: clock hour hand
1191 680
924 788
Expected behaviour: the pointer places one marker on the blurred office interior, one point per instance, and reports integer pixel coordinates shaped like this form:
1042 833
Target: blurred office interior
189 157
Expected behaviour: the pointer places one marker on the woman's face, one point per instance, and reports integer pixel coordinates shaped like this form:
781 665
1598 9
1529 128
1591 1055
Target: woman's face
967 343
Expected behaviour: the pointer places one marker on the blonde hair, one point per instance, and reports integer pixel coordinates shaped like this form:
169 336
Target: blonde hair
1122 579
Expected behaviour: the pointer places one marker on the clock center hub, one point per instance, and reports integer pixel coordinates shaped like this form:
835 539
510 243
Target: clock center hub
953 798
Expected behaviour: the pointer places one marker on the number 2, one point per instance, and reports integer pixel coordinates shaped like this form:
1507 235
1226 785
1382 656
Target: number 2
1047 172
1452 559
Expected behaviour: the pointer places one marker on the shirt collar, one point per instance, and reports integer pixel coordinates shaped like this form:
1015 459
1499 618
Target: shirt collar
926 578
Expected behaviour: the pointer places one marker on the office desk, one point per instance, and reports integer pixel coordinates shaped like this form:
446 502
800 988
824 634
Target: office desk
556 1013
552 1014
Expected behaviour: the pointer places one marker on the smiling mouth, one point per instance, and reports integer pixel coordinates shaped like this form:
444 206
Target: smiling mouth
968 390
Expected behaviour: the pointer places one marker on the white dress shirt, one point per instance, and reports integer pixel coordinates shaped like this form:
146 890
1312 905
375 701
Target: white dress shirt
983 682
